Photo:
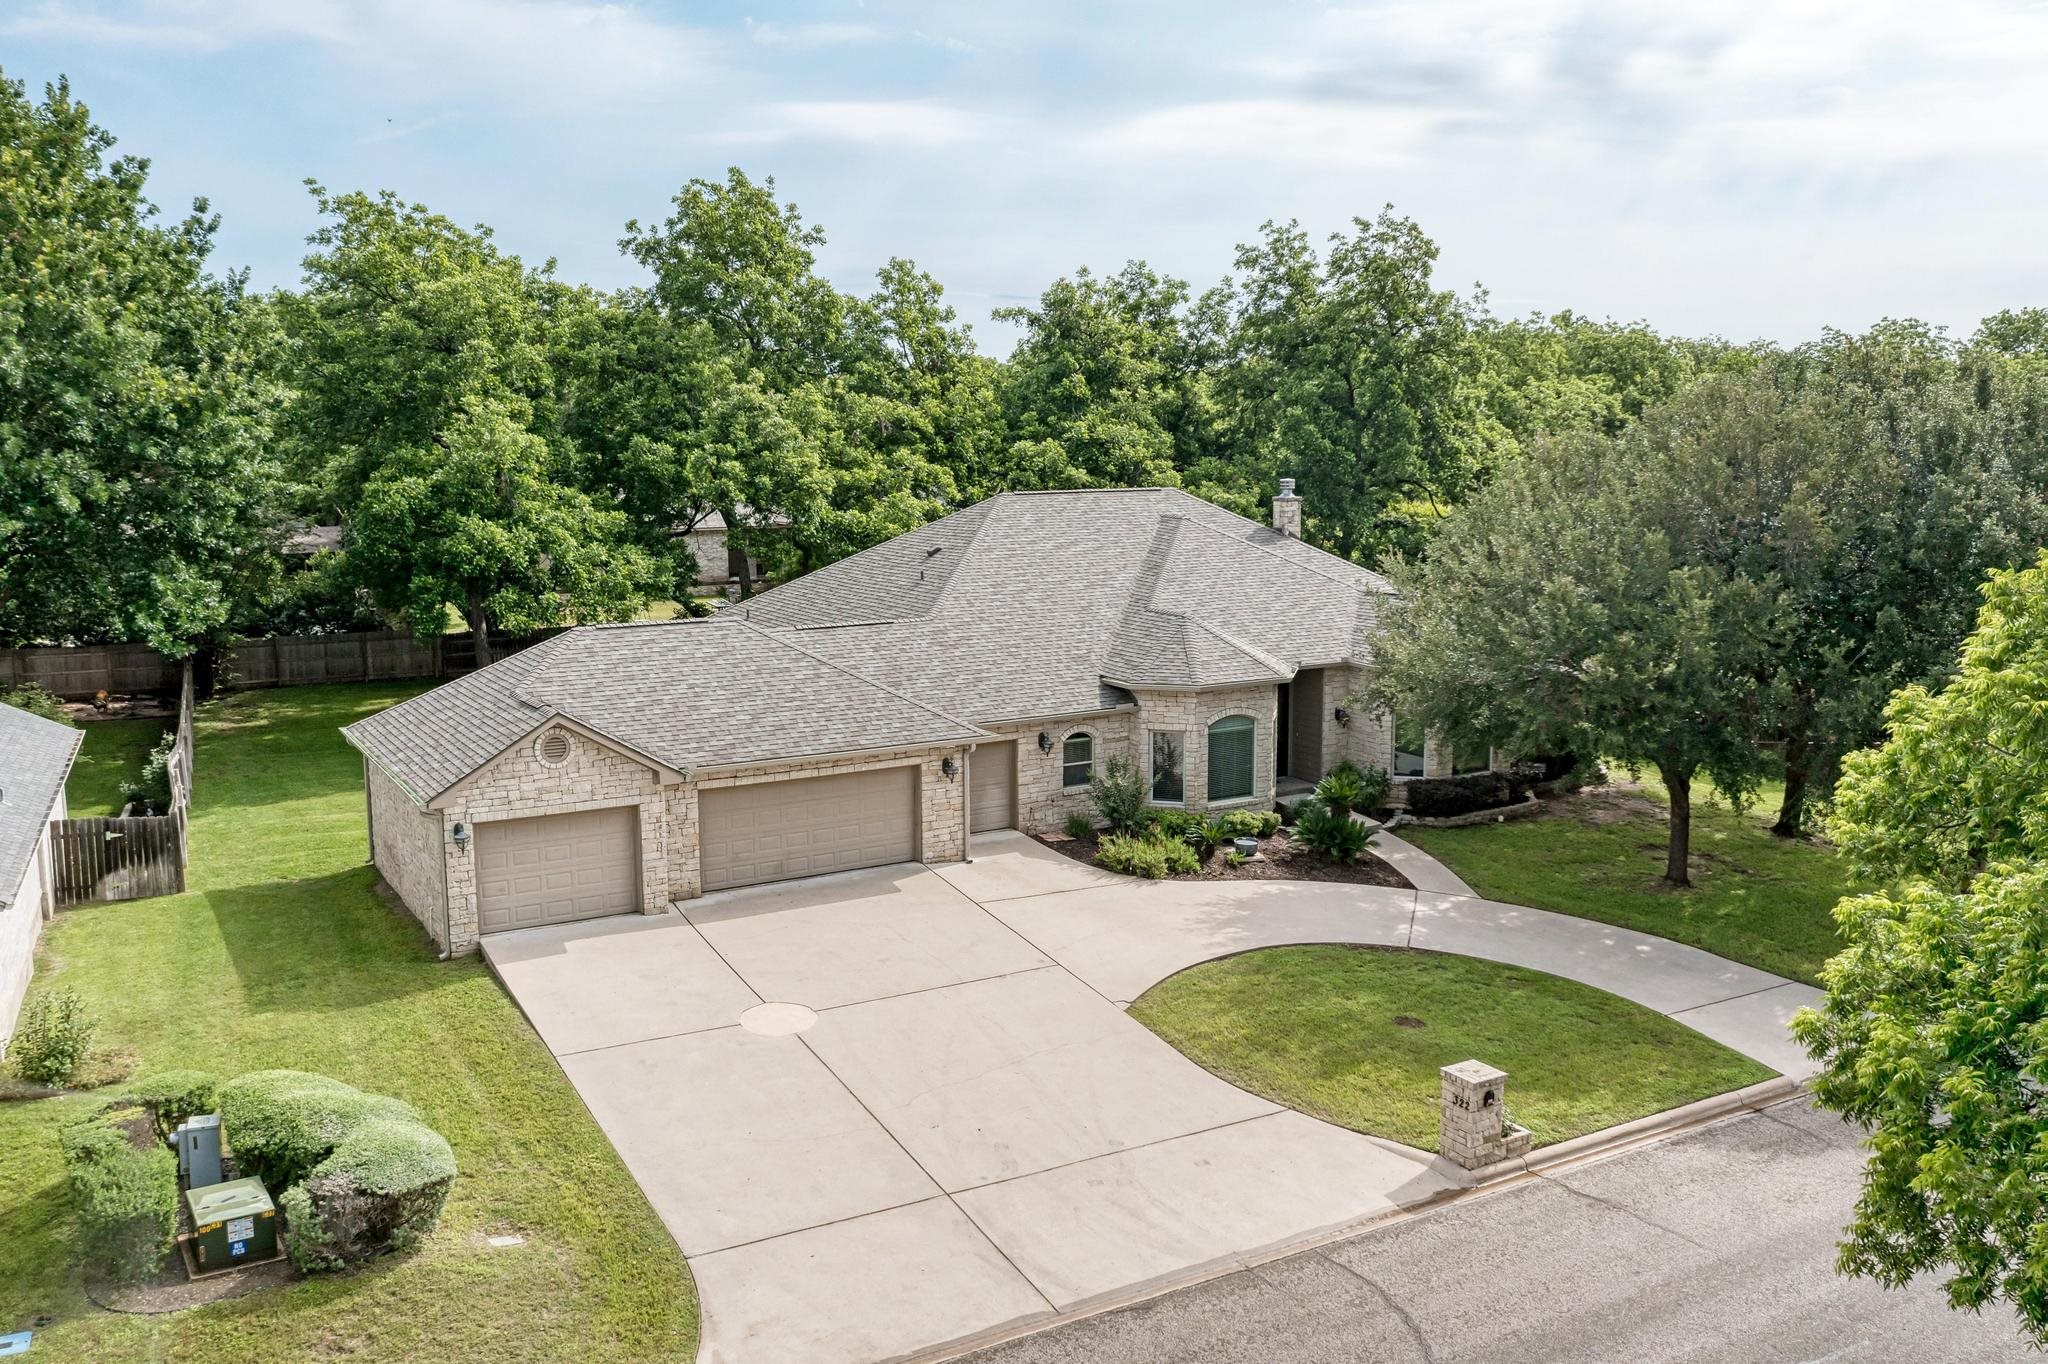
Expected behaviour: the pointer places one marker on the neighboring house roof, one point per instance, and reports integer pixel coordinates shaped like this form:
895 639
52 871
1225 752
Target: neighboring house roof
307 540
687 694
35 759
1021 607
715 521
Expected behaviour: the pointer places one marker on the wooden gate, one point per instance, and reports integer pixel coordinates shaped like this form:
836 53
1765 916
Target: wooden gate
117 859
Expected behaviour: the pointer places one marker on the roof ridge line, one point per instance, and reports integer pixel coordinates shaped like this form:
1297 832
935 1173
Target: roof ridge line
1253 544
746 610
1249 650
775 638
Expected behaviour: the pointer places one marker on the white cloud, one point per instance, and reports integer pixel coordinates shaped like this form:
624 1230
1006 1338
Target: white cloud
772 34
910 123
1269 129
540 50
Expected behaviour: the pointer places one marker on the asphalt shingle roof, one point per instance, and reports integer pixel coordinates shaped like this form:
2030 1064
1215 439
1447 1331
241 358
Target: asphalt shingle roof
35 758
688 693
1024 606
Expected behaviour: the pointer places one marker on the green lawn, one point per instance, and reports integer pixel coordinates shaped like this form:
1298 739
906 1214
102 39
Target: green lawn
1315 1028
282 955
112 753
1599 855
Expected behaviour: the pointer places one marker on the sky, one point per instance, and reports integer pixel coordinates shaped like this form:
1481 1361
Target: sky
1749 170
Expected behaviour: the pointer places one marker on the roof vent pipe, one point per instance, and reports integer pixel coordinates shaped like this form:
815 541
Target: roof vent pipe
1287 510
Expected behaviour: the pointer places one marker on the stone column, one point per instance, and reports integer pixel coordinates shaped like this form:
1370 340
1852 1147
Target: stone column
1474 1131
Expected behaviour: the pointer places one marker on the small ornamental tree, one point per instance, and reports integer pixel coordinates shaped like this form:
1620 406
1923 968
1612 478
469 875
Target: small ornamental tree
1934 1033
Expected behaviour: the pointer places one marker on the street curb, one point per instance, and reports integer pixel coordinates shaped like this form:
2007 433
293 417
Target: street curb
1593 1146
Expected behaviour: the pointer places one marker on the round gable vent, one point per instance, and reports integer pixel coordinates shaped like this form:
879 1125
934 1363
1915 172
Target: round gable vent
554 747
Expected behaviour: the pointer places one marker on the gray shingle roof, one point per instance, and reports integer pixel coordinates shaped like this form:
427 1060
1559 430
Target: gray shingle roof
35 758
1025 606
687 693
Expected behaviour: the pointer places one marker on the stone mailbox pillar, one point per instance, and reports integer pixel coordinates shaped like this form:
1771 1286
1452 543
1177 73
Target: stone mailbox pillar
1475 1132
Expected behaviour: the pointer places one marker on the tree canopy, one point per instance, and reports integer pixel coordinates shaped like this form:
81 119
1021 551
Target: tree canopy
137 396
1934 1033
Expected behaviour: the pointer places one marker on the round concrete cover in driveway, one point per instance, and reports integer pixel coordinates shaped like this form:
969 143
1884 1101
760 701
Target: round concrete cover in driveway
777 1020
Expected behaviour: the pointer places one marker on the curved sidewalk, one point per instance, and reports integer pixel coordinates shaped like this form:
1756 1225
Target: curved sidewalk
1123 936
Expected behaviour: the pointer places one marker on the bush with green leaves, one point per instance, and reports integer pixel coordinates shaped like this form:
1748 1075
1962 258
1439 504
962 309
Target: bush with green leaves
173 1096
1119 795
1244 824
1079 825
153 787
1151 856
1334 837
52 1038
1440 797
32 697
124 1190
365 1173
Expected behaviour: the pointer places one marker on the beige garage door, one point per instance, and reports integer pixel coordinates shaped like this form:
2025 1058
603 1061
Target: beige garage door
774 830
992 788
558 867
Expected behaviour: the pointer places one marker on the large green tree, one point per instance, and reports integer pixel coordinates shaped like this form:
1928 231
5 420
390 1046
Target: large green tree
136 472
422 370
1565 608
1358 376
1934 1033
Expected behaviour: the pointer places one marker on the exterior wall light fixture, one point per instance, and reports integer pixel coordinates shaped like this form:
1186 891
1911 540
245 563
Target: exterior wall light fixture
460 833
1044 742
946 766
1343 716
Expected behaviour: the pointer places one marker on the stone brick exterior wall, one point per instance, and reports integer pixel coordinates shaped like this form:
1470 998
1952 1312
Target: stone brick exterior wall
1043 804
517 785
1191 714
410 848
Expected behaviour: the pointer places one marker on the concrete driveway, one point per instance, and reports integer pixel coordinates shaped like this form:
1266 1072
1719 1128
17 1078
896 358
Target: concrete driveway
890 1109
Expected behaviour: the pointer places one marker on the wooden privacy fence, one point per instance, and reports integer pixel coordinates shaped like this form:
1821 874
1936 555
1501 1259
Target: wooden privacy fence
129 857
76 674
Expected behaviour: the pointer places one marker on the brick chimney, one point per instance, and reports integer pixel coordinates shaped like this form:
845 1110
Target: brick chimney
1287 510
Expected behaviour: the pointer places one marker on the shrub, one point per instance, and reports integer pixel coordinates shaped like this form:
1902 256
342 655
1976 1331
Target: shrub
1235 859
1335 837
1340 790
35 700
52 1039
1079 826
124 1188
174 1096
1151 856
284 1122
1302 809
1373 787
1119 795
1269 823
381 1189
1430 797
153 787
365 1172
1248 823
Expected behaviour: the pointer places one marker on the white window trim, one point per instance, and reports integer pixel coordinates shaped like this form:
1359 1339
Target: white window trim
1150 799
1065 739
1249 796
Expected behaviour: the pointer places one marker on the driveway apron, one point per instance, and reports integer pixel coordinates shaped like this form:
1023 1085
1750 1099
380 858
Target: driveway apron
947 1124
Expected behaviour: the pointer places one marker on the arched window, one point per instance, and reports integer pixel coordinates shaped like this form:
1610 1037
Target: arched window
1077 759
1231 763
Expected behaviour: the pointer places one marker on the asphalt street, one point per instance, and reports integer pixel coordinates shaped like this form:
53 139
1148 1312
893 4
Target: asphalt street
1715 1245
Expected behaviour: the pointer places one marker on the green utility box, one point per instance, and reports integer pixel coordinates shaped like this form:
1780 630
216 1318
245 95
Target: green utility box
232 1223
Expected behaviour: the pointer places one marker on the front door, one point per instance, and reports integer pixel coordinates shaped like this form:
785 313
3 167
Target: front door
1304 725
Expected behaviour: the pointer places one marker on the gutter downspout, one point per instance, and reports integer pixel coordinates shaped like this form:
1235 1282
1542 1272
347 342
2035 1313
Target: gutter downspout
967 805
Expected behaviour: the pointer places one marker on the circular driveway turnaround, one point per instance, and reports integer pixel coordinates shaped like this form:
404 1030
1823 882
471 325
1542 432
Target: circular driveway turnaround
777 1019
972 1133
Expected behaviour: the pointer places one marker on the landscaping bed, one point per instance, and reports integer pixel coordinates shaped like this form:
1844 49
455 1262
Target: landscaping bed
1357 1035
1280 858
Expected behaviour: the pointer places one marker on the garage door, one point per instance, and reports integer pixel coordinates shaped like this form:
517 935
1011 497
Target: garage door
774 830
992 787
558 867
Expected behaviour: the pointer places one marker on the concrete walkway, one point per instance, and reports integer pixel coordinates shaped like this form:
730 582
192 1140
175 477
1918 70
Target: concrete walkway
890 1109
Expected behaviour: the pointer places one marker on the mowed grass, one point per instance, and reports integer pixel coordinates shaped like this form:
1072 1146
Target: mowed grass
113 752
282 955
1356 1036
1755 898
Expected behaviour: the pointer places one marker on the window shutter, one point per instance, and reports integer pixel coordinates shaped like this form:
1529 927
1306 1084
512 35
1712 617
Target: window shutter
1230 758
